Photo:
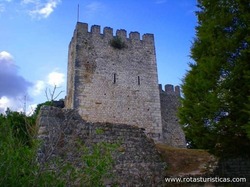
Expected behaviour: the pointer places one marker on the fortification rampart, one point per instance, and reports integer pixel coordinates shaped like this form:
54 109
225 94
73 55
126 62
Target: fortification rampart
116 85
108 33
173 134
170 89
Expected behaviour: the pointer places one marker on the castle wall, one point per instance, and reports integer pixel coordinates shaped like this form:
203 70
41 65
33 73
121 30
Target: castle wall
71 75
173 134
114 85
64 135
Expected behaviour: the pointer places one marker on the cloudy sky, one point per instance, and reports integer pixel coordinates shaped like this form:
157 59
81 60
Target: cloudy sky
35 34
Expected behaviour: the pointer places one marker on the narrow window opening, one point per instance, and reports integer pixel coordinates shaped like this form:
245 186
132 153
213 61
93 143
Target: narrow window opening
114 78
139 80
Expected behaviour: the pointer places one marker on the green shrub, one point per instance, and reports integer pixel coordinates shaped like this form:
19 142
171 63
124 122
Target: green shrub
19 166
117 43
98 163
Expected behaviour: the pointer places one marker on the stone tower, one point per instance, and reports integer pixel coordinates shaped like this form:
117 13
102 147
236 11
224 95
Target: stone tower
114 84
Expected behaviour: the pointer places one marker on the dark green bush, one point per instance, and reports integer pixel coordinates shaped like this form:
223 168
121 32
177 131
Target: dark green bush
117 43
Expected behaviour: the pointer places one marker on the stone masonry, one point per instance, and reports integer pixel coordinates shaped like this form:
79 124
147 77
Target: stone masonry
136 161
173 134
119 86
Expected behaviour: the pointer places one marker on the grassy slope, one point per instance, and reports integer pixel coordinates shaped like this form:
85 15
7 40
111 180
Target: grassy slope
186 162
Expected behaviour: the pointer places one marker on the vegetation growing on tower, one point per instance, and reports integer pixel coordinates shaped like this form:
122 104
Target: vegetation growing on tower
117 43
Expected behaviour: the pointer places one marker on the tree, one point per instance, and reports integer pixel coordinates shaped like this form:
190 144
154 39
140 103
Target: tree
215 110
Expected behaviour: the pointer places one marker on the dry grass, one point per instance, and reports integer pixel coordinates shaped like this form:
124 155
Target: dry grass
183 162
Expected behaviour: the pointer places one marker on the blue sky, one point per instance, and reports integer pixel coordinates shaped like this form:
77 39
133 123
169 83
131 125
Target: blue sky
35 35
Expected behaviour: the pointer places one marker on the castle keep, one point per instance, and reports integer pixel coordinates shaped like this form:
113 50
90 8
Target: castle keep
115 84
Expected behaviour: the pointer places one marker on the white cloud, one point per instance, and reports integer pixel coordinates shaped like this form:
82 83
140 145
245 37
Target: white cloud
38 87
46 9
55 78
15 104
35 8
40 9
3 101
13 87
31 109
11 83
4 55
4 104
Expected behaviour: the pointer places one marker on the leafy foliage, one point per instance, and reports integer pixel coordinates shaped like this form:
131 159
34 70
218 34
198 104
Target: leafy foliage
98 163
38 107
22 127
117 43
18 153
215 110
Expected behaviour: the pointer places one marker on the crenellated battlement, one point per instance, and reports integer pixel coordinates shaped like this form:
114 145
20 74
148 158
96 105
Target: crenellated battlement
108 33
170 89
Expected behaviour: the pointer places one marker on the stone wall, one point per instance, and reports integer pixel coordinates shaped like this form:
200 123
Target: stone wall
137 162
173 134
113 85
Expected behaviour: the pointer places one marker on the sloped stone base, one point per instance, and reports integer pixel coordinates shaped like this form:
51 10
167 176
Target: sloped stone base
136 161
